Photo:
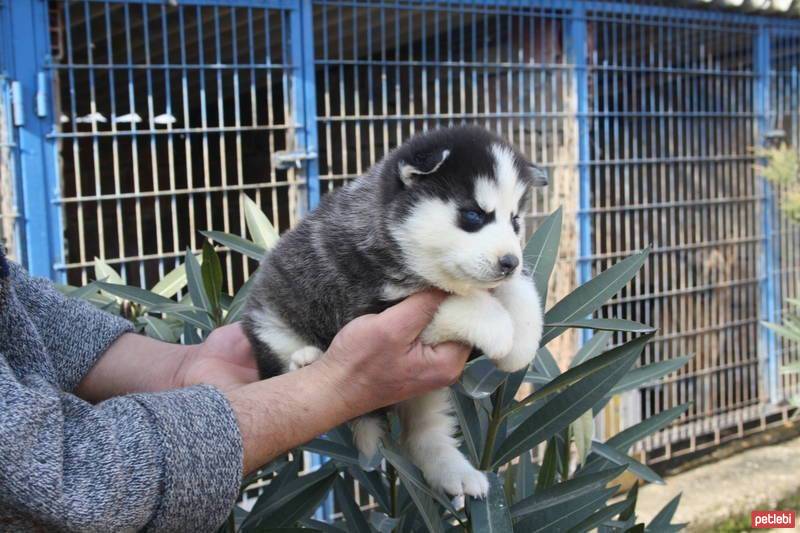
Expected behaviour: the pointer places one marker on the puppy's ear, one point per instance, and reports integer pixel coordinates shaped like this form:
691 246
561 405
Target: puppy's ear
421 164
541 178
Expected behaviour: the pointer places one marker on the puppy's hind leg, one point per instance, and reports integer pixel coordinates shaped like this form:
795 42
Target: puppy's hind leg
278 348
428 427
368 430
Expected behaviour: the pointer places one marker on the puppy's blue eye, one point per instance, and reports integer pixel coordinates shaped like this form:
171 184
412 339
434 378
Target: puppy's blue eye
472 219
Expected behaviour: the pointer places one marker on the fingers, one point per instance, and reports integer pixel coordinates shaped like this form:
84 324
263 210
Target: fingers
408 318
448 360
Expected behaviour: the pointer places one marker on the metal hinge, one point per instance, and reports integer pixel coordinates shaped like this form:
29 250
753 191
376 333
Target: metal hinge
288 159
17 107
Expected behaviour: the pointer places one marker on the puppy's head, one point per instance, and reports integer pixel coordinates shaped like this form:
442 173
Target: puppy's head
456 197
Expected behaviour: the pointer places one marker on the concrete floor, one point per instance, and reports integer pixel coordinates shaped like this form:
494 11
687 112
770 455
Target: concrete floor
754 479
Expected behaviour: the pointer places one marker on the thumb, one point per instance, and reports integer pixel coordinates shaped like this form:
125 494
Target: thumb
409 317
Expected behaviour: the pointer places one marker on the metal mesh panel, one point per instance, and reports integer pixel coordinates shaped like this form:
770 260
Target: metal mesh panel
785 99
168 114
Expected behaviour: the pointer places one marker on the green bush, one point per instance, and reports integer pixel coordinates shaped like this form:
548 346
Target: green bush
790 330
567 490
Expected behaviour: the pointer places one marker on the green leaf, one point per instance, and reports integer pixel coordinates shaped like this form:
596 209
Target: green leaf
491 514
334 450
598 517
382 523
194 279
513 382
157 329
527 472
85 292
583 433
480 379
470 424
316 525
541 251
135 294
546 364
412 477
783 331
172 282
629 512
239 301
590 296
565 515
583 371
547 472
563 493
237 244
211 271
605 324
261 230
662 520
296 499
792 368
189 314
591 348
638 469
285 474
646 374
354 518
103 271
566 406
427 509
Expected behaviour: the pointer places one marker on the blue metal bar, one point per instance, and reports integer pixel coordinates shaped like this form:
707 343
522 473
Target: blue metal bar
26 25
768 353
304 87
575 45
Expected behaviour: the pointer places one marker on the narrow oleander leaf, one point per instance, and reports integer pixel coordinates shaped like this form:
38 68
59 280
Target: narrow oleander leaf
354 518
583 433
285 474
563 493
591 348
629 512
629 436
85 292
598 517
604 324
480 379
194 280
541 251
173 282
413 478
157 329
792 368
526 475
590 296
545 363
382 522
511 388
134 294
188 313
565 406
104 271
428 510
663 519
547 472
491 514
211 271
334 450
470 424
237 244
310 524
237 305
258 225
565 515
640 470
296 499
783 330
641 376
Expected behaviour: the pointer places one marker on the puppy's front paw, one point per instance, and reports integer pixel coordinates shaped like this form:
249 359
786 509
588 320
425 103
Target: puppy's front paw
304 357
495 336
455 475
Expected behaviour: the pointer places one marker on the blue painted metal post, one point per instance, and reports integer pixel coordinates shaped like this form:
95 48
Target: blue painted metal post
26 23
305 94
768 353
575 39
305 139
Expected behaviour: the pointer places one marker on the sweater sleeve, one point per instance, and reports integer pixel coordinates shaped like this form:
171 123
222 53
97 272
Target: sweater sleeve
161 462
74 331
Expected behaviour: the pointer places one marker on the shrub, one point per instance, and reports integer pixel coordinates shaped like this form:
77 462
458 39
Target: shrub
568 489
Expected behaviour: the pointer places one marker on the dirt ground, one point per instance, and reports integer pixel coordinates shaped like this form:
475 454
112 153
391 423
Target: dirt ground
754 479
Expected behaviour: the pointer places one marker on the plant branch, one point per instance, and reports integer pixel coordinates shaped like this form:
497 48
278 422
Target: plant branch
494 425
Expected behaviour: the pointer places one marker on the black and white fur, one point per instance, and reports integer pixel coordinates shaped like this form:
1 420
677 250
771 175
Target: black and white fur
440 211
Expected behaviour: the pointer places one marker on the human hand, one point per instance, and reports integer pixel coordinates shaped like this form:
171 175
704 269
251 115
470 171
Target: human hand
379 359
225 359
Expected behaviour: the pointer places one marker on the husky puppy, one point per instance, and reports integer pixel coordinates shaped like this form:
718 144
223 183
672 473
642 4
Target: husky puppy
442 210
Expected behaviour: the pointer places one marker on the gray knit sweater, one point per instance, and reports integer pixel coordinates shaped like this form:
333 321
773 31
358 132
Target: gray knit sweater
161 462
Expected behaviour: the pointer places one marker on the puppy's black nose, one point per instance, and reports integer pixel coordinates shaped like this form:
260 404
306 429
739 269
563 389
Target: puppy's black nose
508 263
